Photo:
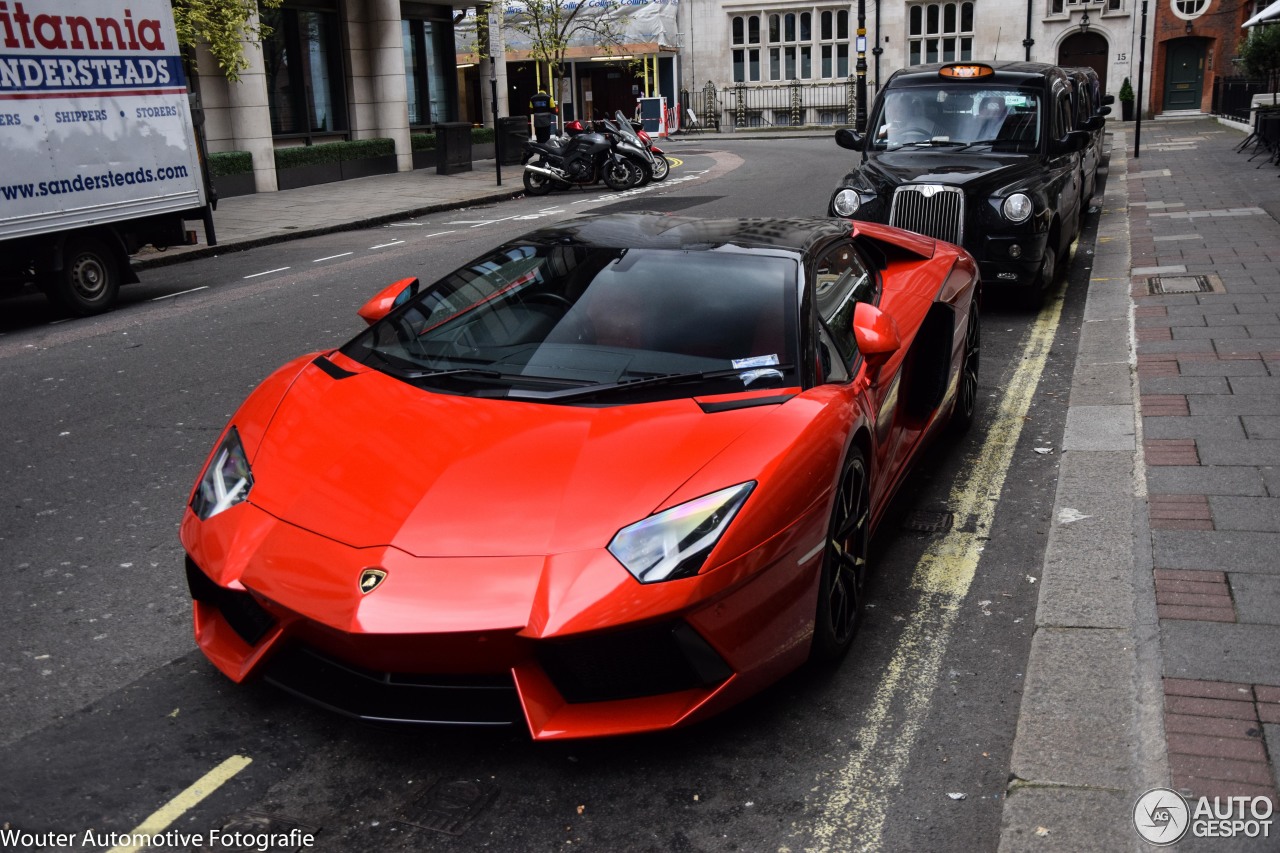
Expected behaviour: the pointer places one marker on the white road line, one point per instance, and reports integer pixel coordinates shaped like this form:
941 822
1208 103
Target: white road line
267 272
180 293
331 257
439 234
385 245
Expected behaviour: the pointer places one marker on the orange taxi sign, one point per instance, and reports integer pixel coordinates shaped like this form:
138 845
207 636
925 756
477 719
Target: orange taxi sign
966 71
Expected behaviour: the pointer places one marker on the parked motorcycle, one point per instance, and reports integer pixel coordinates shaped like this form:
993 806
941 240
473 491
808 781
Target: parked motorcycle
577 159
658 165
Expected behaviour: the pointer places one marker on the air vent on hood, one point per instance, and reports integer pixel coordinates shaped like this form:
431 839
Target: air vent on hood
330 368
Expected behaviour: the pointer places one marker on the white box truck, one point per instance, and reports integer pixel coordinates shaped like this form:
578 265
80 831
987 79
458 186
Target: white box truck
98 153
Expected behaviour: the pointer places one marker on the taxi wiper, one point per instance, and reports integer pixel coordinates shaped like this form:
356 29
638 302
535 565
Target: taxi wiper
981 142
662 379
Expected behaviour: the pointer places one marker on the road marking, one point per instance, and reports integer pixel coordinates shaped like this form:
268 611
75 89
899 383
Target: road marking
160 820
267 272
853 814
385 245
439 234
331 257
180 293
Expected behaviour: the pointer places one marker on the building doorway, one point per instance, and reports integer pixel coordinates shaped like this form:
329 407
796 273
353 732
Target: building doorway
1087 50
1184 74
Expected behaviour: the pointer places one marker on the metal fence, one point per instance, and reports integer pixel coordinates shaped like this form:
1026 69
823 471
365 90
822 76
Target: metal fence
793 104
1232 96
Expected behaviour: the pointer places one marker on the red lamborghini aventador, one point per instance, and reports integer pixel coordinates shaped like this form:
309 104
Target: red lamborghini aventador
611 477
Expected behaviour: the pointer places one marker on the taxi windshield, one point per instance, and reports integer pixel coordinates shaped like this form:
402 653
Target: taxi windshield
955 116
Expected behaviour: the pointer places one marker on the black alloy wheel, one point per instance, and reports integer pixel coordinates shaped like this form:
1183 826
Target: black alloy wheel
618 175
844 562
967 390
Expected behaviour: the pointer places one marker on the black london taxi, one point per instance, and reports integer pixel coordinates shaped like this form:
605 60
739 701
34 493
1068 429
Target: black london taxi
982 154
1091 108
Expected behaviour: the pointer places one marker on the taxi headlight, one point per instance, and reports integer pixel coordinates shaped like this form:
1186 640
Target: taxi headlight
1017 207
846 202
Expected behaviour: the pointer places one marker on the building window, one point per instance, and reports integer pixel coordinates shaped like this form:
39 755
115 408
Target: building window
303 59
1188 9
939 32
789 46
424 73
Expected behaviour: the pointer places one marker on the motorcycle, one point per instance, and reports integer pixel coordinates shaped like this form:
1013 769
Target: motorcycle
574 160
656 162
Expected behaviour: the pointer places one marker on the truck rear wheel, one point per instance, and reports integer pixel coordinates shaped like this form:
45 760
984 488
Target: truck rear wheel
88 281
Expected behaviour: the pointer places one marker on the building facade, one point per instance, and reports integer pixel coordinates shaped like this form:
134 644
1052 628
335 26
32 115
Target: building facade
333 70
363 69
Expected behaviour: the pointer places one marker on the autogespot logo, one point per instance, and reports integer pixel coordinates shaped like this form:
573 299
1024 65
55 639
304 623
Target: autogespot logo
1161 816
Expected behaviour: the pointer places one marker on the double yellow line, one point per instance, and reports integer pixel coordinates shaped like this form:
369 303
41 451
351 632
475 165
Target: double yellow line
857 797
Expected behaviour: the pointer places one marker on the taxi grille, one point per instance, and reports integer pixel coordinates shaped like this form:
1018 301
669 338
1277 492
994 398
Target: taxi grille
929 209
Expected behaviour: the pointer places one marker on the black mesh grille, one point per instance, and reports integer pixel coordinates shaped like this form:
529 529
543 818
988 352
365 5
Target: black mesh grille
392 697
245 616
645 661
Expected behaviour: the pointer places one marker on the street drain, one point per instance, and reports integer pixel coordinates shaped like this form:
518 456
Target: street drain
928 521
449 807
1182 284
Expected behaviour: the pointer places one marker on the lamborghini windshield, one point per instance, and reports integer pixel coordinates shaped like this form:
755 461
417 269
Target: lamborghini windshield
957 116
571 323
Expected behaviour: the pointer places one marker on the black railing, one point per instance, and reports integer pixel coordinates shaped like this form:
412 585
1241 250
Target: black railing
1233 96
793 104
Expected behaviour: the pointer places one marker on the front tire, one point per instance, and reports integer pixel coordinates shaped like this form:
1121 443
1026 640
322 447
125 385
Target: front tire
89 279
844 562
1033 297
661 167
617 175
966 406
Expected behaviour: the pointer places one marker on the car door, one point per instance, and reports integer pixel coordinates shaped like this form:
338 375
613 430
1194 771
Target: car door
841 280
1062 167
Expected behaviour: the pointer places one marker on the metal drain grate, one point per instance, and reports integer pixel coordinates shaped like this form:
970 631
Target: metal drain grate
928 521
1179 284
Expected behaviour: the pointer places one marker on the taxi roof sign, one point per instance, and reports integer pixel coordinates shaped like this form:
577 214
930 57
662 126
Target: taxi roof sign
966 71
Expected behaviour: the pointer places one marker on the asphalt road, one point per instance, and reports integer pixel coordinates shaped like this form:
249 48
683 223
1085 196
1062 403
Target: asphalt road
109 713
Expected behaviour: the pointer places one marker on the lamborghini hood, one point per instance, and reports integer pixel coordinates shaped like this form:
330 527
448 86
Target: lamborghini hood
368 461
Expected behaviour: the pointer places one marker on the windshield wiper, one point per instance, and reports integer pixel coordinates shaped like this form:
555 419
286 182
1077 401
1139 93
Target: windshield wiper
983 142
660 379
489 373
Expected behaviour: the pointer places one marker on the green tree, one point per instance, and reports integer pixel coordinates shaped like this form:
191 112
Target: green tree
1260 54
551 27
223 26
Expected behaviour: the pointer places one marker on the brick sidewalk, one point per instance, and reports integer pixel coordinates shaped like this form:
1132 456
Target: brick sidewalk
1205 244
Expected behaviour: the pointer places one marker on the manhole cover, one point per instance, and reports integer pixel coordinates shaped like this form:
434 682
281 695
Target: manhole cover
450 807
928 521
1179 284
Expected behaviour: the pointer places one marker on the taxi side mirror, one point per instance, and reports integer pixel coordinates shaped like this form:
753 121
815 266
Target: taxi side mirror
388 299
847 138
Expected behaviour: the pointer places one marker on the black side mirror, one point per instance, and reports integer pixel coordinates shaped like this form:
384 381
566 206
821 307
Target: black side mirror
847 138
1108 100
1103 111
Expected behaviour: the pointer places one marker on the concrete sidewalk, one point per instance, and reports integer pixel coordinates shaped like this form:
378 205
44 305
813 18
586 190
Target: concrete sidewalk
1156 657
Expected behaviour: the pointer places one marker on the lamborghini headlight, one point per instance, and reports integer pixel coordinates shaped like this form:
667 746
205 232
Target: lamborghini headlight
846 202
1017 207
227 480
676 542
